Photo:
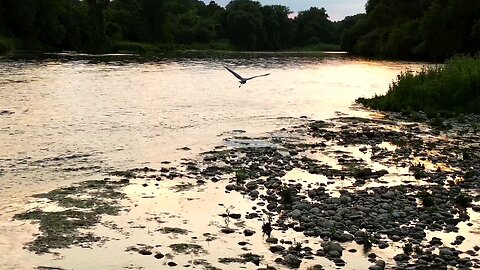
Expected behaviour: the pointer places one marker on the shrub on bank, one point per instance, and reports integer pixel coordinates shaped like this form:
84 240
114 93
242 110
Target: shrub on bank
6 45
454 86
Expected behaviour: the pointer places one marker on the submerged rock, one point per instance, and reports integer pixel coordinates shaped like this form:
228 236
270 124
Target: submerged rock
291 261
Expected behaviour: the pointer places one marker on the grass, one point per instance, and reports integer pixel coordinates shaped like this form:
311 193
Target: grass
319 47
186 248
7 45
83 205
426 198
453 87
150 48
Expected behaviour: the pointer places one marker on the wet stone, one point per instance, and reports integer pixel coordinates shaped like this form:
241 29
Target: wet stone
276 248
339 262
272 240
145 252
235 216
380 263
296 213
227 230
159 256
248 232
445 252
332 246
401 257
333 254
436 241
291 261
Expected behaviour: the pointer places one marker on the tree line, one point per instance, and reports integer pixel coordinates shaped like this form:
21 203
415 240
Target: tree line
419 29
94 25
413 29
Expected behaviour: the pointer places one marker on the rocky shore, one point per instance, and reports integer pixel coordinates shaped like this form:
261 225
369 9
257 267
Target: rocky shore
406 193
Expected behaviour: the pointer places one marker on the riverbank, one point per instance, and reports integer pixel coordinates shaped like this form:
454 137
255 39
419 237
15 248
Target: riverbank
346 192
8 46
439 90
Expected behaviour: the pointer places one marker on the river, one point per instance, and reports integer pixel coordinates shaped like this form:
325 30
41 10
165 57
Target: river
65 118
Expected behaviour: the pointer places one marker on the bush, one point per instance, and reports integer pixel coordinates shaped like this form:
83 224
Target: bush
453 87
6 45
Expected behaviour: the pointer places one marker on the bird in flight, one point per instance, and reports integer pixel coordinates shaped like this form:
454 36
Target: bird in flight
244 80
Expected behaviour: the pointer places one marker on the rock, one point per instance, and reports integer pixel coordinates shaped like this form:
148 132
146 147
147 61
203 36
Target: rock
398 214
291 261
401 257
235 216
333 254
445 252
329 224
345 237
251 185
230 187
272 206
254 193
271 240
301 206
382 245
339 262
159 256
465 261
145 252
296 213
248 232
380 263
227 230
345 199
436 241
375 267
388 194
360 234
332 246
276 248
172 264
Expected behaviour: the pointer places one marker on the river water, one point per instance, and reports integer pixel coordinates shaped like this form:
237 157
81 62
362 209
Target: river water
69 117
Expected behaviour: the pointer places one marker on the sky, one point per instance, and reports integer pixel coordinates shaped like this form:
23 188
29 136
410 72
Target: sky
336 9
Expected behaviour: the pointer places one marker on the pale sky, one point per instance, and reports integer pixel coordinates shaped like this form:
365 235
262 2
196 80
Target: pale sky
336 9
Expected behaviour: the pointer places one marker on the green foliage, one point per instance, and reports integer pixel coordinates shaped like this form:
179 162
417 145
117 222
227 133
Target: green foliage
313 27
83 205
426 199
454 86
6 45
463 200
146 26
286 195
435 29
241 175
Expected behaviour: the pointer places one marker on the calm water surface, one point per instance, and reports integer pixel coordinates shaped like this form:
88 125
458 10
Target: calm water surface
66 118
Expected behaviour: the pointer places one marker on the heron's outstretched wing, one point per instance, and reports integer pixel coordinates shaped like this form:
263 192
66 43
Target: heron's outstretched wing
235 74
257 76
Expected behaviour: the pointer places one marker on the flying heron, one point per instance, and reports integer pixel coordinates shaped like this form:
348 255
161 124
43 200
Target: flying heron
244 80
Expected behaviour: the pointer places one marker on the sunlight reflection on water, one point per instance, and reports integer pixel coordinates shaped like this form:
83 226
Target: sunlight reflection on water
72 116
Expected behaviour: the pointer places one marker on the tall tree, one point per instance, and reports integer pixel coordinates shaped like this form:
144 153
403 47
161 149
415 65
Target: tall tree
313 26
244 24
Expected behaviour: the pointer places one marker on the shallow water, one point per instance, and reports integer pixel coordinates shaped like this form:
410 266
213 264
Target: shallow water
67 118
